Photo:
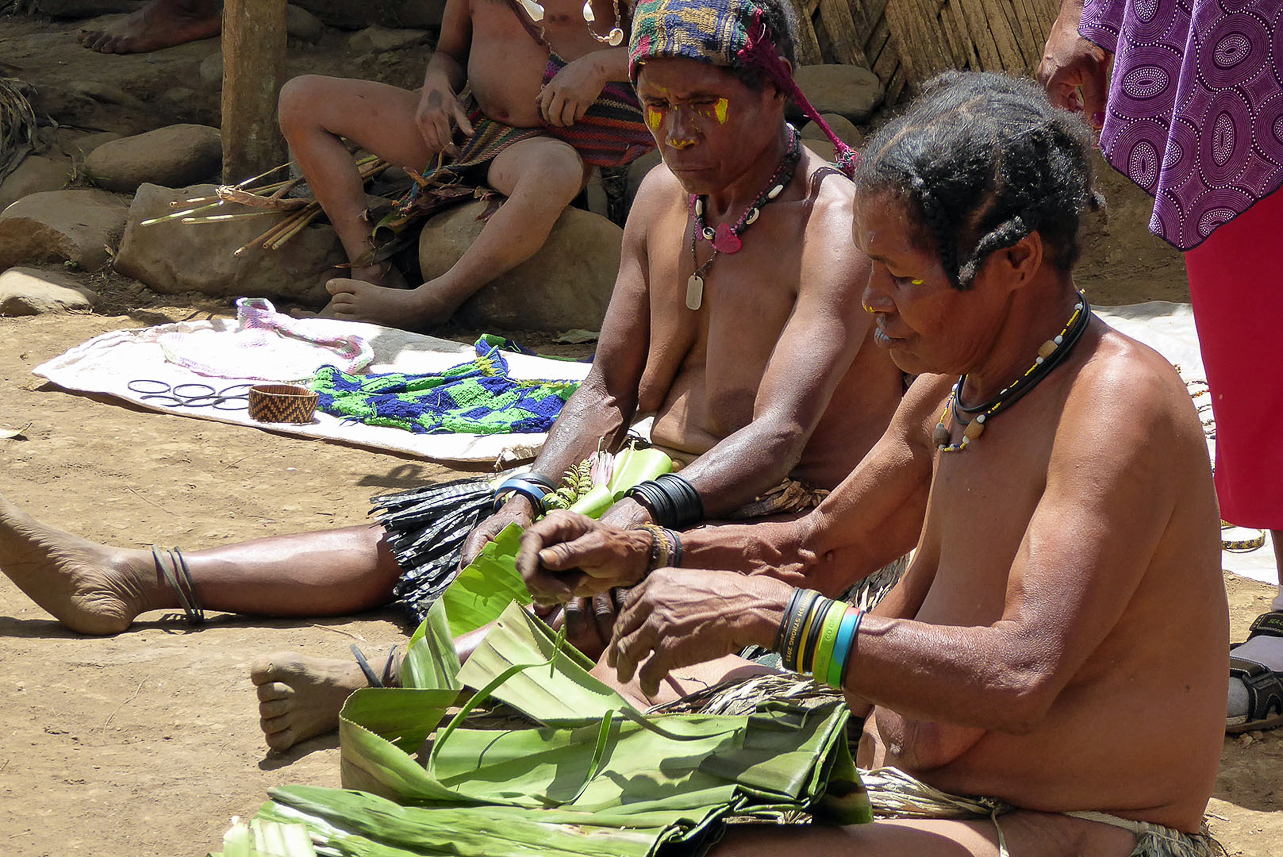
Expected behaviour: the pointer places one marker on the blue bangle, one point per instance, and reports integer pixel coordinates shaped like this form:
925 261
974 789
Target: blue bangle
846 643
532 491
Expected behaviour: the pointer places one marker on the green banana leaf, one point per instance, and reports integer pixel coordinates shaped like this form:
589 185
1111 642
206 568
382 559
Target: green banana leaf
597 779
483 589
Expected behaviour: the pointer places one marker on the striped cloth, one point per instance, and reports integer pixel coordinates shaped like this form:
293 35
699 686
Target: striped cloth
612 133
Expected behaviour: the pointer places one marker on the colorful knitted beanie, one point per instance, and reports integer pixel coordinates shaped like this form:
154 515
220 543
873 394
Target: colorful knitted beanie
727 33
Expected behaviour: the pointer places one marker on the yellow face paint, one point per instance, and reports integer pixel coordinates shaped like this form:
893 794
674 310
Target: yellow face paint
654 117
916 282
719 110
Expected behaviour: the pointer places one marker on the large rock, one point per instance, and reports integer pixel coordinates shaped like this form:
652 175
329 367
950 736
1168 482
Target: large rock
302 25
843 127
173 257
28 291
35 174
848 90
566 285
175 156
381 40
77 226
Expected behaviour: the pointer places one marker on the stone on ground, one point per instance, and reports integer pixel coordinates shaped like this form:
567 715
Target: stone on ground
174 156
302 25
173 257
843 127
378 40
29 291
78 144
566 285
77 226
849 90
35 174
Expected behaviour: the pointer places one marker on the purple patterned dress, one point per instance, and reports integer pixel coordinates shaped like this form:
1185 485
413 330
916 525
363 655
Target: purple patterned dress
1195 110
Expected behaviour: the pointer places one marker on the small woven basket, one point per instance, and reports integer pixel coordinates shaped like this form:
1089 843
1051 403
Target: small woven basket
281 403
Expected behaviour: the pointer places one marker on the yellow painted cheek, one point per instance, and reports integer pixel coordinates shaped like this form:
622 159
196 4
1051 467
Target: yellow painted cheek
654 118
720 110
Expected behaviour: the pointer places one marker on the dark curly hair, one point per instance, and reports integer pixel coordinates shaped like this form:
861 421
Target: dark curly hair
985 160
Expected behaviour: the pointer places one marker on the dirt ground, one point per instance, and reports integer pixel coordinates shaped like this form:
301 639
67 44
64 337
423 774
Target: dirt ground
145 745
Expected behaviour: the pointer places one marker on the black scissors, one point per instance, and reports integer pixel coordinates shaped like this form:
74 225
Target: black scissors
192 395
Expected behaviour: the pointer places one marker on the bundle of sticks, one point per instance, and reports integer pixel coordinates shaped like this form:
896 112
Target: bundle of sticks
264 199
17 125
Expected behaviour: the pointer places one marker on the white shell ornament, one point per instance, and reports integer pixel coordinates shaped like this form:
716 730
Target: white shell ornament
616 38
588 13
533 9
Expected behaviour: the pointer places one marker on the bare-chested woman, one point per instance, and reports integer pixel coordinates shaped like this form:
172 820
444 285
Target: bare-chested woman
774 374
1058 643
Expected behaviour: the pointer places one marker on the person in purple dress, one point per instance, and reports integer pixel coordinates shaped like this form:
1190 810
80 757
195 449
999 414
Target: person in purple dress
1193 113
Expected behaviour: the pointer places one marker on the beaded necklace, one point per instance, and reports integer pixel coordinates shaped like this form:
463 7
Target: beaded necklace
725 238
1050 354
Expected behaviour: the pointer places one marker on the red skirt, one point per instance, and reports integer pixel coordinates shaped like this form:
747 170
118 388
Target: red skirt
1236 287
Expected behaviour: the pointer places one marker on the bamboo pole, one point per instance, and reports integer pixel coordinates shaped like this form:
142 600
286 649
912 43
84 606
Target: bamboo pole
253 71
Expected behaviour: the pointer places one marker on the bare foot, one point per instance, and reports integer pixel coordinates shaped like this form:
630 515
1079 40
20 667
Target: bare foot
386 276
300 697
88 587
159 24
407 309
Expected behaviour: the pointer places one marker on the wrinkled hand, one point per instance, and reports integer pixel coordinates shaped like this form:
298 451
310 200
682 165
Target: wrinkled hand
679 617
1071 63
516 511
566 98
438 110
567 556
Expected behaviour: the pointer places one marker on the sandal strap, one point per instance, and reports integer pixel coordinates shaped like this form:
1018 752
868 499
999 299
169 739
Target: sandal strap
1267 624
172 565
375 680
370 675
1264 687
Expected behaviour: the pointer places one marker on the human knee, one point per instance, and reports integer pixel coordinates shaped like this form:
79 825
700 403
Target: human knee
557 175
296 107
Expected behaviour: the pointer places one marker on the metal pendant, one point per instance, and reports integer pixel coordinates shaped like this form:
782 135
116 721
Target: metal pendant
694 292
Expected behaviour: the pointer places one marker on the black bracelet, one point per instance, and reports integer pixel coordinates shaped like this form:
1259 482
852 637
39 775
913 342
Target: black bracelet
689 505
671 500
778 645
677 547
532 491
796 618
